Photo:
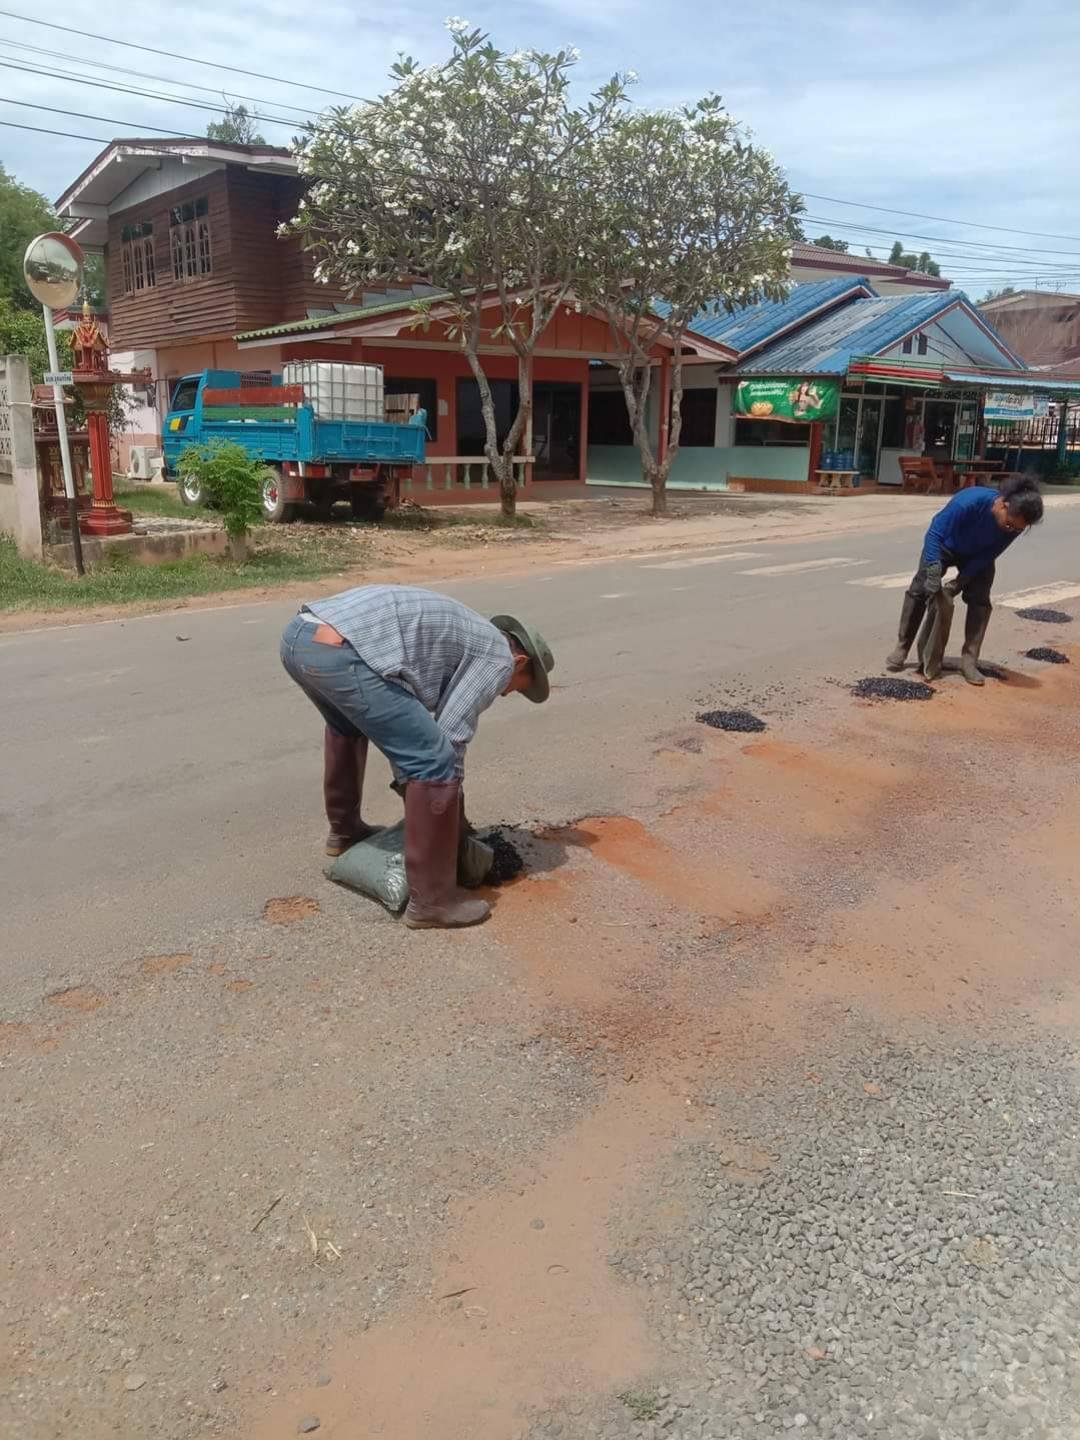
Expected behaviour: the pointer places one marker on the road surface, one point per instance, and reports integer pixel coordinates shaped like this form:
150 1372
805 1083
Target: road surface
625 1119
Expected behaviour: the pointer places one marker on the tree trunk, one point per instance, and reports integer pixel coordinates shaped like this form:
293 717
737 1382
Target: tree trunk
502 469
238 548
657 475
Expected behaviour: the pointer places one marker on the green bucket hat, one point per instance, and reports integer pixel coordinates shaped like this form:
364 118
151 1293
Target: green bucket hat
538 651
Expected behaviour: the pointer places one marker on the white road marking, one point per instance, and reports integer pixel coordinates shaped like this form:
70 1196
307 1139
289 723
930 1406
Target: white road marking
706 560
1041 594
883 582
802 567
616 595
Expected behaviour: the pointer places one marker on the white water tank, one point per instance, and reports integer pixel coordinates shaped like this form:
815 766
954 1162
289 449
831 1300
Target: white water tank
338 390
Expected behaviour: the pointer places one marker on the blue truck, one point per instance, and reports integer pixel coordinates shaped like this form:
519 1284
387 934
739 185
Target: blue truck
310 460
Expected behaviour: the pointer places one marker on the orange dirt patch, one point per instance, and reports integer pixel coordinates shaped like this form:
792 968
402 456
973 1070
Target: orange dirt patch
290 909
237 987
83 998
164 964
544 1315
628 846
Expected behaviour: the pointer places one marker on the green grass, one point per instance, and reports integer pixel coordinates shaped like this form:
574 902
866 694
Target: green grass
28 585
163 501
643 1404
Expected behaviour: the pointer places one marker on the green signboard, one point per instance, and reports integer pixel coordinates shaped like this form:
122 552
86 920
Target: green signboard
798 401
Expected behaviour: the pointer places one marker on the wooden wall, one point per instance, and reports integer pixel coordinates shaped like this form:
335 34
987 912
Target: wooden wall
257 279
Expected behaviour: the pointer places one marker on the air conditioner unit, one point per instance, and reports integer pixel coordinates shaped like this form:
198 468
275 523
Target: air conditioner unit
144 463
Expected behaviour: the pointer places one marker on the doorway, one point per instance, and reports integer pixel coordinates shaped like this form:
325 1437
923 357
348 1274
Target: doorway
557 431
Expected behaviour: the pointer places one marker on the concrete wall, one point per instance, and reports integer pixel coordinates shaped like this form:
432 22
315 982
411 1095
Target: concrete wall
700 468
20 506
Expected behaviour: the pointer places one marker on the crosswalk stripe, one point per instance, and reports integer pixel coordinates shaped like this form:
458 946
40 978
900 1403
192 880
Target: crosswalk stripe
1041 594
883 582
686 564
801 567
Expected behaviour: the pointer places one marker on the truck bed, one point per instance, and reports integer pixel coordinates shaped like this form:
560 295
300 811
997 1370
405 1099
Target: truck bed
360 442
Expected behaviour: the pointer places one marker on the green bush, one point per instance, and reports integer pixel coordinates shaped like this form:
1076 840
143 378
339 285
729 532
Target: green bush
233 481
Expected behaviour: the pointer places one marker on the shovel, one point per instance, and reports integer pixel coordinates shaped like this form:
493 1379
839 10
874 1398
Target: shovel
934 635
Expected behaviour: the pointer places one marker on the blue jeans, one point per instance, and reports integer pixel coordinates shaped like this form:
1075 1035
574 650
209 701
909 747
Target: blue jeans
354 700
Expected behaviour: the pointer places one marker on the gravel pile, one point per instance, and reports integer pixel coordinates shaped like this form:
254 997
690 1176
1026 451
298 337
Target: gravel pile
508 858
880 687
903 1261
1051 657
1048 617
741 722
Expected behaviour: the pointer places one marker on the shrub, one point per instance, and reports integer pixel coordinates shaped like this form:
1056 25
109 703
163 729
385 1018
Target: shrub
233 481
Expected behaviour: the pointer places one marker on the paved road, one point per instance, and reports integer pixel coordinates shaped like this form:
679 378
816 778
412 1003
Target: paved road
162 775
752 1110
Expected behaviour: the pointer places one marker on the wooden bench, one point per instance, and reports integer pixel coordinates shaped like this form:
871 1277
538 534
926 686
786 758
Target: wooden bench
837 479
920 475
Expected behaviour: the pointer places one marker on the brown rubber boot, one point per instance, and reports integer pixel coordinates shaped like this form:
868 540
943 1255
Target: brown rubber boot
975 626
910 619
344 763
432 825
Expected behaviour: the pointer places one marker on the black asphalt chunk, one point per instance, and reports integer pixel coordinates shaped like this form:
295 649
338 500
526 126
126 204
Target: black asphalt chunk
1048 617
508 861
881 687
1043 652
741 722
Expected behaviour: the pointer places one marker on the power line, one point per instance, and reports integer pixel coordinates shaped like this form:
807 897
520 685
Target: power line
54 55
185 103
934 239
81 115
944 220
174 55
65 134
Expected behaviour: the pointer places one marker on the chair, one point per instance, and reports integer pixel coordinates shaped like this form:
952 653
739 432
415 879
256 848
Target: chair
920 474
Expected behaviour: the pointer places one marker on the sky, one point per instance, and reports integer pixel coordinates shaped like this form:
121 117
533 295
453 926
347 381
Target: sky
961 111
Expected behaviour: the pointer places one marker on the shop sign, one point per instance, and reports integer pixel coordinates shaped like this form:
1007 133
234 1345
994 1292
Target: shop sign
796 401
1007 405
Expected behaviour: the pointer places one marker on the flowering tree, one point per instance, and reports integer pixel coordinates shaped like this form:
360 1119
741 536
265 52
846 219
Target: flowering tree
688 217
468 177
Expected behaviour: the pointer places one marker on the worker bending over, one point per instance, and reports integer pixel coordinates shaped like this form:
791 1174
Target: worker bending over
411 672
975 527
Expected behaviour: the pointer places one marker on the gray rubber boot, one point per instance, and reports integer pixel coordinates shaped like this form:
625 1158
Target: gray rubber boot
935 634
914 608
432 826
975 626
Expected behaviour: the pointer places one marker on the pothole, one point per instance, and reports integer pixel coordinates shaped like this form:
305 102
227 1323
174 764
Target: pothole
740 722
882 687
1047 617
1044 652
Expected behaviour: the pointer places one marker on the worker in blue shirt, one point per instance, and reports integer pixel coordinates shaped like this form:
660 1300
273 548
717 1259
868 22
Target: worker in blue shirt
975 527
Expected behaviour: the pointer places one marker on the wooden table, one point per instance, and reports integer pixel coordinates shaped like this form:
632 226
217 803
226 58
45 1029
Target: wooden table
837 479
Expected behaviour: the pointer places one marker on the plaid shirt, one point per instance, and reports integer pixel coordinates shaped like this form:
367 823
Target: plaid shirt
453 660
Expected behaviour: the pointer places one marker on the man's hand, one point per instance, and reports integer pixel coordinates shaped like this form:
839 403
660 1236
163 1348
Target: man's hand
933 579
953 588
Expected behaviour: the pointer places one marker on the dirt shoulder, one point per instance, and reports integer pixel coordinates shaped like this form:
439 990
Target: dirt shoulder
563 532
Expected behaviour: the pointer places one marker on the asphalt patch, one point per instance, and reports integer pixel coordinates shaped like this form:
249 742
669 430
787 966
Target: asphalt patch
1043 652
508 860
1048 617
880 687
740 722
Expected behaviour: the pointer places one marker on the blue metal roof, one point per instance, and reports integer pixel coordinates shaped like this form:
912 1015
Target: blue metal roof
1007 381
751 326
863 327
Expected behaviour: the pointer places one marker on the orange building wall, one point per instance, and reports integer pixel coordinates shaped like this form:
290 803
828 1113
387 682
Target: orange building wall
446 368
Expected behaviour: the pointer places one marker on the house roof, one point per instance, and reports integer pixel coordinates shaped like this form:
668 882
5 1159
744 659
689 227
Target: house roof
821 257
1021 298
87 200
383 320
862 327
752 326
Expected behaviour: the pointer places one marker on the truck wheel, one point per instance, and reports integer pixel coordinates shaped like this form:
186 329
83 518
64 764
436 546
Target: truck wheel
367 505
190 489
275 507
